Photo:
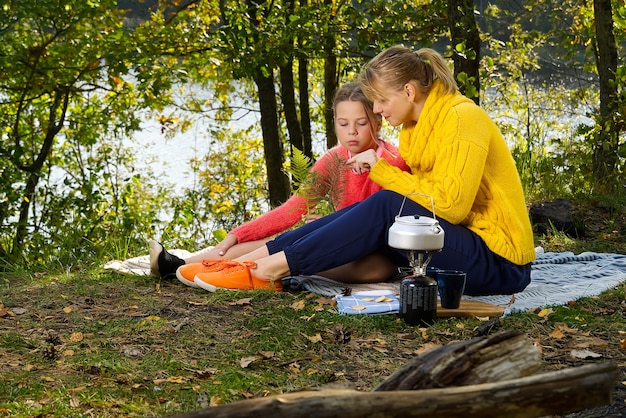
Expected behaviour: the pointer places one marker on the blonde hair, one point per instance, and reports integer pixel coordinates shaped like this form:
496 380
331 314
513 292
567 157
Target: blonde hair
398 65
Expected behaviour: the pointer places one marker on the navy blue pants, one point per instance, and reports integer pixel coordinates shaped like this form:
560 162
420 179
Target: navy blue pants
362 228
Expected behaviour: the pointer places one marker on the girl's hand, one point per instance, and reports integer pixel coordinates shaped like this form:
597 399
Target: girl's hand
311 218
363 161
226 243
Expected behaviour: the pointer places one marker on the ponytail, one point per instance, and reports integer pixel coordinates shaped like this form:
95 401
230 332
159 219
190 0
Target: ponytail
398 65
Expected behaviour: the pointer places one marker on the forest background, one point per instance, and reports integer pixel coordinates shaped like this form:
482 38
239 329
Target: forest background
77 78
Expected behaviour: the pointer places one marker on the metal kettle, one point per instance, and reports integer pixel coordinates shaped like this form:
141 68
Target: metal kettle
416 233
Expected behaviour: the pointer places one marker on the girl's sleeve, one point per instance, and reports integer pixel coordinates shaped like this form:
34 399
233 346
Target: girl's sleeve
273 222
286 215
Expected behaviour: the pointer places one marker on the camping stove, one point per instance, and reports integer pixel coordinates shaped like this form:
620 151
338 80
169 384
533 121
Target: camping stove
420 236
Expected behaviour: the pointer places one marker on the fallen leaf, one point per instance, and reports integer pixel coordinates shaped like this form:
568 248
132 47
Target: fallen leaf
194 303
297 305
545 312
67 309
314 338
565 328
593 342
241 302
583 354
246 361
622 344
76 337
130 351
266 354
557 334
326 301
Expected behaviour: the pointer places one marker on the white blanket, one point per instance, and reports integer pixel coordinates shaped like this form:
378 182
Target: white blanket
556 279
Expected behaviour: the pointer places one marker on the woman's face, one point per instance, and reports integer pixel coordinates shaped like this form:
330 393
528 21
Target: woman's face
353 128
398 107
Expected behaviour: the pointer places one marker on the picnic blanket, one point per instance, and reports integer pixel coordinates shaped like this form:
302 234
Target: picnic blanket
556 279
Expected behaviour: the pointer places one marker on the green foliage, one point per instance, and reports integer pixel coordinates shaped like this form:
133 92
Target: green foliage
546 113
75 77
322 191
63 94
229 191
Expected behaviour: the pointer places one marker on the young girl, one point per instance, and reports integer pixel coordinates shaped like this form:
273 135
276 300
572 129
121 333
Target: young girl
356 126
456 155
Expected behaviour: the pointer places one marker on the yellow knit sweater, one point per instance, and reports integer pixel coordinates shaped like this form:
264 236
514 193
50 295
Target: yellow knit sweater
458 156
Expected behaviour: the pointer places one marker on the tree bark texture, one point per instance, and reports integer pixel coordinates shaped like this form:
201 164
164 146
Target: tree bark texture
330 84
503 356
305 111
508 359
540 395
605 150
278 183
287 90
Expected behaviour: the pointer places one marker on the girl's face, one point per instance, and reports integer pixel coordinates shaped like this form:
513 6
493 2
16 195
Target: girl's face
353 128
399 107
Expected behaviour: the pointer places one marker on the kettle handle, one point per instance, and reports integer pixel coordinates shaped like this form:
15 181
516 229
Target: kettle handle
432 203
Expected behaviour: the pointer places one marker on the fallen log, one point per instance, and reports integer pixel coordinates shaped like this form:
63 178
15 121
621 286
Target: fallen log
543 394
503 356
484 377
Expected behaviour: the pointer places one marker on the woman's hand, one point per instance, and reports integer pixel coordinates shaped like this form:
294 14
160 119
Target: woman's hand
363 161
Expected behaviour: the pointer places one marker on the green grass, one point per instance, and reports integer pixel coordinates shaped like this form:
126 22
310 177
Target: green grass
98 344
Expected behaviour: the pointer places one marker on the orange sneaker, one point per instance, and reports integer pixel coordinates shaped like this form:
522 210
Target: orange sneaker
187 272
235 277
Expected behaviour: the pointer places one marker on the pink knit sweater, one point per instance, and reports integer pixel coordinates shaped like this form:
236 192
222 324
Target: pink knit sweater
351 188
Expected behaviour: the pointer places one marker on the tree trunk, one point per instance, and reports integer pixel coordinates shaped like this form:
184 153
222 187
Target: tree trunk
287 90
58 111
464 32
278 183
305 111
330 84
607 141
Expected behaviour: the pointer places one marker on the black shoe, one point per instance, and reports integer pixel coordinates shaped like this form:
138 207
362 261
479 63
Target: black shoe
163 263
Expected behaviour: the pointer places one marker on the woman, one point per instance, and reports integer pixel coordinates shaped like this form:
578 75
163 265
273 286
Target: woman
357 127
456 155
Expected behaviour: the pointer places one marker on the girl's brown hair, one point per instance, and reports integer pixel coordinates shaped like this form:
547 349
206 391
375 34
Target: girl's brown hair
352 92
398 65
